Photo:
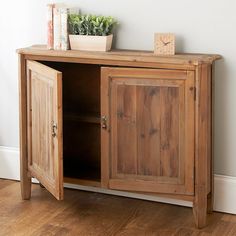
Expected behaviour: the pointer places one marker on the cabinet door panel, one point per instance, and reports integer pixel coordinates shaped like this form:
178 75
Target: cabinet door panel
150 134
44 119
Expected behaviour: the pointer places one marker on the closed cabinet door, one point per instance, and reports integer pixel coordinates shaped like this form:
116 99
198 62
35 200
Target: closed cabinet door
147 130
44 126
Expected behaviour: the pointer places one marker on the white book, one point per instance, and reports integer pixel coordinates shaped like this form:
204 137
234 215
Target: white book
50 26
57 28
64 29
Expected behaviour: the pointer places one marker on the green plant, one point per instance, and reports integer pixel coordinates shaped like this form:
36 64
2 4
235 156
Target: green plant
91 24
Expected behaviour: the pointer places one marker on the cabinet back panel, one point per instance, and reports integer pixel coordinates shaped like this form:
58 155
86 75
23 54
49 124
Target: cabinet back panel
81 87
81 148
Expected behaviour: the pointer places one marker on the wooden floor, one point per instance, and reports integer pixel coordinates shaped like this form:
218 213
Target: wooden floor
85 213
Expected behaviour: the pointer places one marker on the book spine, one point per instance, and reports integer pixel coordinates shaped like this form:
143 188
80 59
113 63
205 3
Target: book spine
64 29
57 28
50 26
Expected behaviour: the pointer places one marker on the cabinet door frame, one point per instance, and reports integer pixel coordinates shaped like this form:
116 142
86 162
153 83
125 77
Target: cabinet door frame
47 76
182 76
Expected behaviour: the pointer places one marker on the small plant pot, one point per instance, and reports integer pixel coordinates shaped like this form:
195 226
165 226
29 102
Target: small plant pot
91 43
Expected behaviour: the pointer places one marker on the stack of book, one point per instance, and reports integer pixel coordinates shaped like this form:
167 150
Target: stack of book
57 26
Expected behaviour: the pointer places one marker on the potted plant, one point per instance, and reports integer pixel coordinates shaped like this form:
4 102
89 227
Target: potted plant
91 32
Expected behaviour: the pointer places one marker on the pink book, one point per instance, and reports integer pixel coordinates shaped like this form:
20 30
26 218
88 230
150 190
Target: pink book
50 26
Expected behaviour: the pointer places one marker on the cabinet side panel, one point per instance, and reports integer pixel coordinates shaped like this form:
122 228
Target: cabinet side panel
202 143
24 176
209 128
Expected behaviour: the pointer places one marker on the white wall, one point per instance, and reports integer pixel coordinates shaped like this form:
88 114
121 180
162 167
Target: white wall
201 26
20 26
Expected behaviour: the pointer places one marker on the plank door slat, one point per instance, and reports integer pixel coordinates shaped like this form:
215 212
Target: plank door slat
148 130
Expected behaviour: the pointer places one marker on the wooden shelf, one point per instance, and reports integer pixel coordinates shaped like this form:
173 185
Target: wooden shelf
89 118
85 182
118 57
81 169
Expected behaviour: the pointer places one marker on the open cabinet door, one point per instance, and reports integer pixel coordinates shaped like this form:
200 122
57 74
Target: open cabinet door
44 126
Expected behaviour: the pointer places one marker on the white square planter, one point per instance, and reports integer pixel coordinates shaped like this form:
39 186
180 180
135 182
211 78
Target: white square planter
91 43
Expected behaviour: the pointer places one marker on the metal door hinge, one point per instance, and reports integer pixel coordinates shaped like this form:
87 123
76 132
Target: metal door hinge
54 128
104 122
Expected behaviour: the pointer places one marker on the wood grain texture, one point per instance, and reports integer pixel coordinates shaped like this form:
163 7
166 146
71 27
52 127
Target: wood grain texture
202 144
120 57
87 118
148 112
210 164
105 133
84 213
190 91
44 109
92 183
151 123
123 127
109 62
170 131
24 173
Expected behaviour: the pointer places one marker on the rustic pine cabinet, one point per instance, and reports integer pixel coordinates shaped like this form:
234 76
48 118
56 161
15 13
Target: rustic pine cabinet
121 120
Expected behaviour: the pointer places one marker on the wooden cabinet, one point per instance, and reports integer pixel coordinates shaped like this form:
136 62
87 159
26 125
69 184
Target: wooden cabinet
122 120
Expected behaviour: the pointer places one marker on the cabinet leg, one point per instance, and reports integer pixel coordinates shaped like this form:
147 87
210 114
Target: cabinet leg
25 181
210 201
26 189
200 212
25 178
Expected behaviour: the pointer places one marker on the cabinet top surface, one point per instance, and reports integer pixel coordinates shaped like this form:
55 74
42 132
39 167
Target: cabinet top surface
132 56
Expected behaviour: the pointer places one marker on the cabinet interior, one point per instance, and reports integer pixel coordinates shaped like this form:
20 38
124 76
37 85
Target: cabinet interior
81 120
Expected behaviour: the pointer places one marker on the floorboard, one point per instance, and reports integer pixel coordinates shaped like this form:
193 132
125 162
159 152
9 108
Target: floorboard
85 213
